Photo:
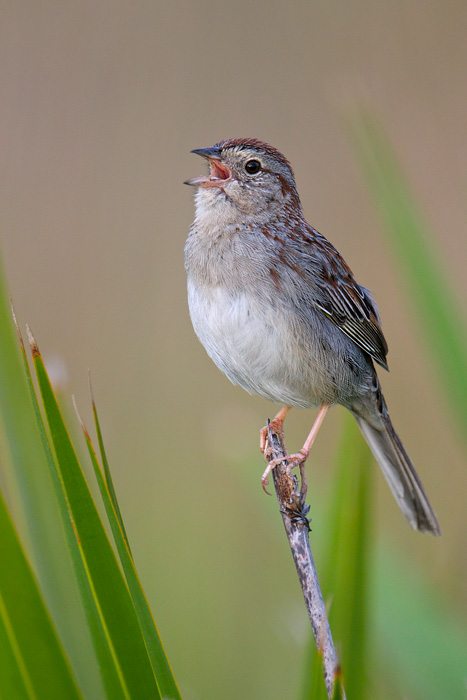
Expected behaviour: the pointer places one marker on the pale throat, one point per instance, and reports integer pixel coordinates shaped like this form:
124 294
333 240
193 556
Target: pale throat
218 211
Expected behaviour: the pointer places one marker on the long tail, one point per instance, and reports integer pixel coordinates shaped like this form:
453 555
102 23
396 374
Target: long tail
396 466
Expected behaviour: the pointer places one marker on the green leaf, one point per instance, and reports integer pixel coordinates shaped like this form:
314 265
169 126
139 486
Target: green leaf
26 481
438 310
101 648
116 610
418 633
108 477
346 568
161 667
338 693
26 478
313 685
32 663
345 571
13 678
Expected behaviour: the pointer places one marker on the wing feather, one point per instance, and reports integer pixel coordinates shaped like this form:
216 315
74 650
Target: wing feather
347 304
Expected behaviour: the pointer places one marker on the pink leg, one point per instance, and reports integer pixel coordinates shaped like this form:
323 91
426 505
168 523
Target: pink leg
314 431
299 458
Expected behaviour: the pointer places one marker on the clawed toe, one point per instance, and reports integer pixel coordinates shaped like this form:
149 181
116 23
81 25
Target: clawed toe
296 460
263 440
292 460
276 425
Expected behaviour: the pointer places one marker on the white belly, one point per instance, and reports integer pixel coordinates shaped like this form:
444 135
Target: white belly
247 342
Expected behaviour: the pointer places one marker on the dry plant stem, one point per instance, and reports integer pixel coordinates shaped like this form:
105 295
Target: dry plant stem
294 515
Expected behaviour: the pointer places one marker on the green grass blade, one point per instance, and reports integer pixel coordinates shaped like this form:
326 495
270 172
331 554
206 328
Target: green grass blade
108 476
424 644
313 686
111 595
442 318
101 648
163 672
345 570
25 480
13 681
28 635
338 693
25 472
417 633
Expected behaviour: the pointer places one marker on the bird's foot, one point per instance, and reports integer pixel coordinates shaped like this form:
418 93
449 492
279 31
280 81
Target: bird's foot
295 460
276 425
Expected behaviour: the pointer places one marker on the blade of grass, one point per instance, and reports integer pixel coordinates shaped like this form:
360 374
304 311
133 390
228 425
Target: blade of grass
111 595
313 686
345 570
418 633
441 316
108 476
25 480
339 691
101 648
431 655
24 469
13 682
33 648
163 672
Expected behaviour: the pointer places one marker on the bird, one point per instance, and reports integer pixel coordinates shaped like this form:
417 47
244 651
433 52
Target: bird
280 313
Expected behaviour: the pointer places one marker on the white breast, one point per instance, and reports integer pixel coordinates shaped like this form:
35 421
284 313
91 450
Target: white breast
245 339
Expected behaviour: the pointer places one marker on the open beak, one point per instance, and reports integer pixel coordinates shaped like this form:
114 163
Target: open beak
220 173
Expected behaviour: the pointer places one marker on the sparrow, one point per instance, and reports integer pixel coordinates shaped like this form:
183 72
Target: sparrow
279 311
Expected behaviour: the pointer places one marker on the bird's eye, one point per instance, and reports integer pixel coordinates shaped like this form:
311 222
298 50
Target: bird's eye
252 167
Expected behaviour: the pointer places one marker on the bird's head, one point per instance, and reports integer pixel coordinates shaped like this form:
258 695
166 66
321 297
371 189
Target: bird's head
248 175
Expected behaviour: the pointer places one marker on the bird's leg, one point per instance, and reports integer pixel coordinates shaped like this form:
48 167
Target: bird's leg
305 451
299 458
276 425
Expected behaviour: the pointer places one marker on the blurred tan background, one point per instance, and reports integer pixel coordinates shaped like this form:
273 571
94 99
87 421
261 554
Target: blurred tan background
101 103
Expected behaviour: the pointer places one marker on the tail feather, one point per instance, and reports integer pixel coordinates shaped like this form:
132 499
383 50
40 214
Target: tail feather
400 473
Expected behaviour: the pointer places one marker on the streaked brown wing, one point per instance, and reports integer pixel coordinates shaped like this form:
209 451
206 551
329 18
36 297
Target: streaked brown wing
348 305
